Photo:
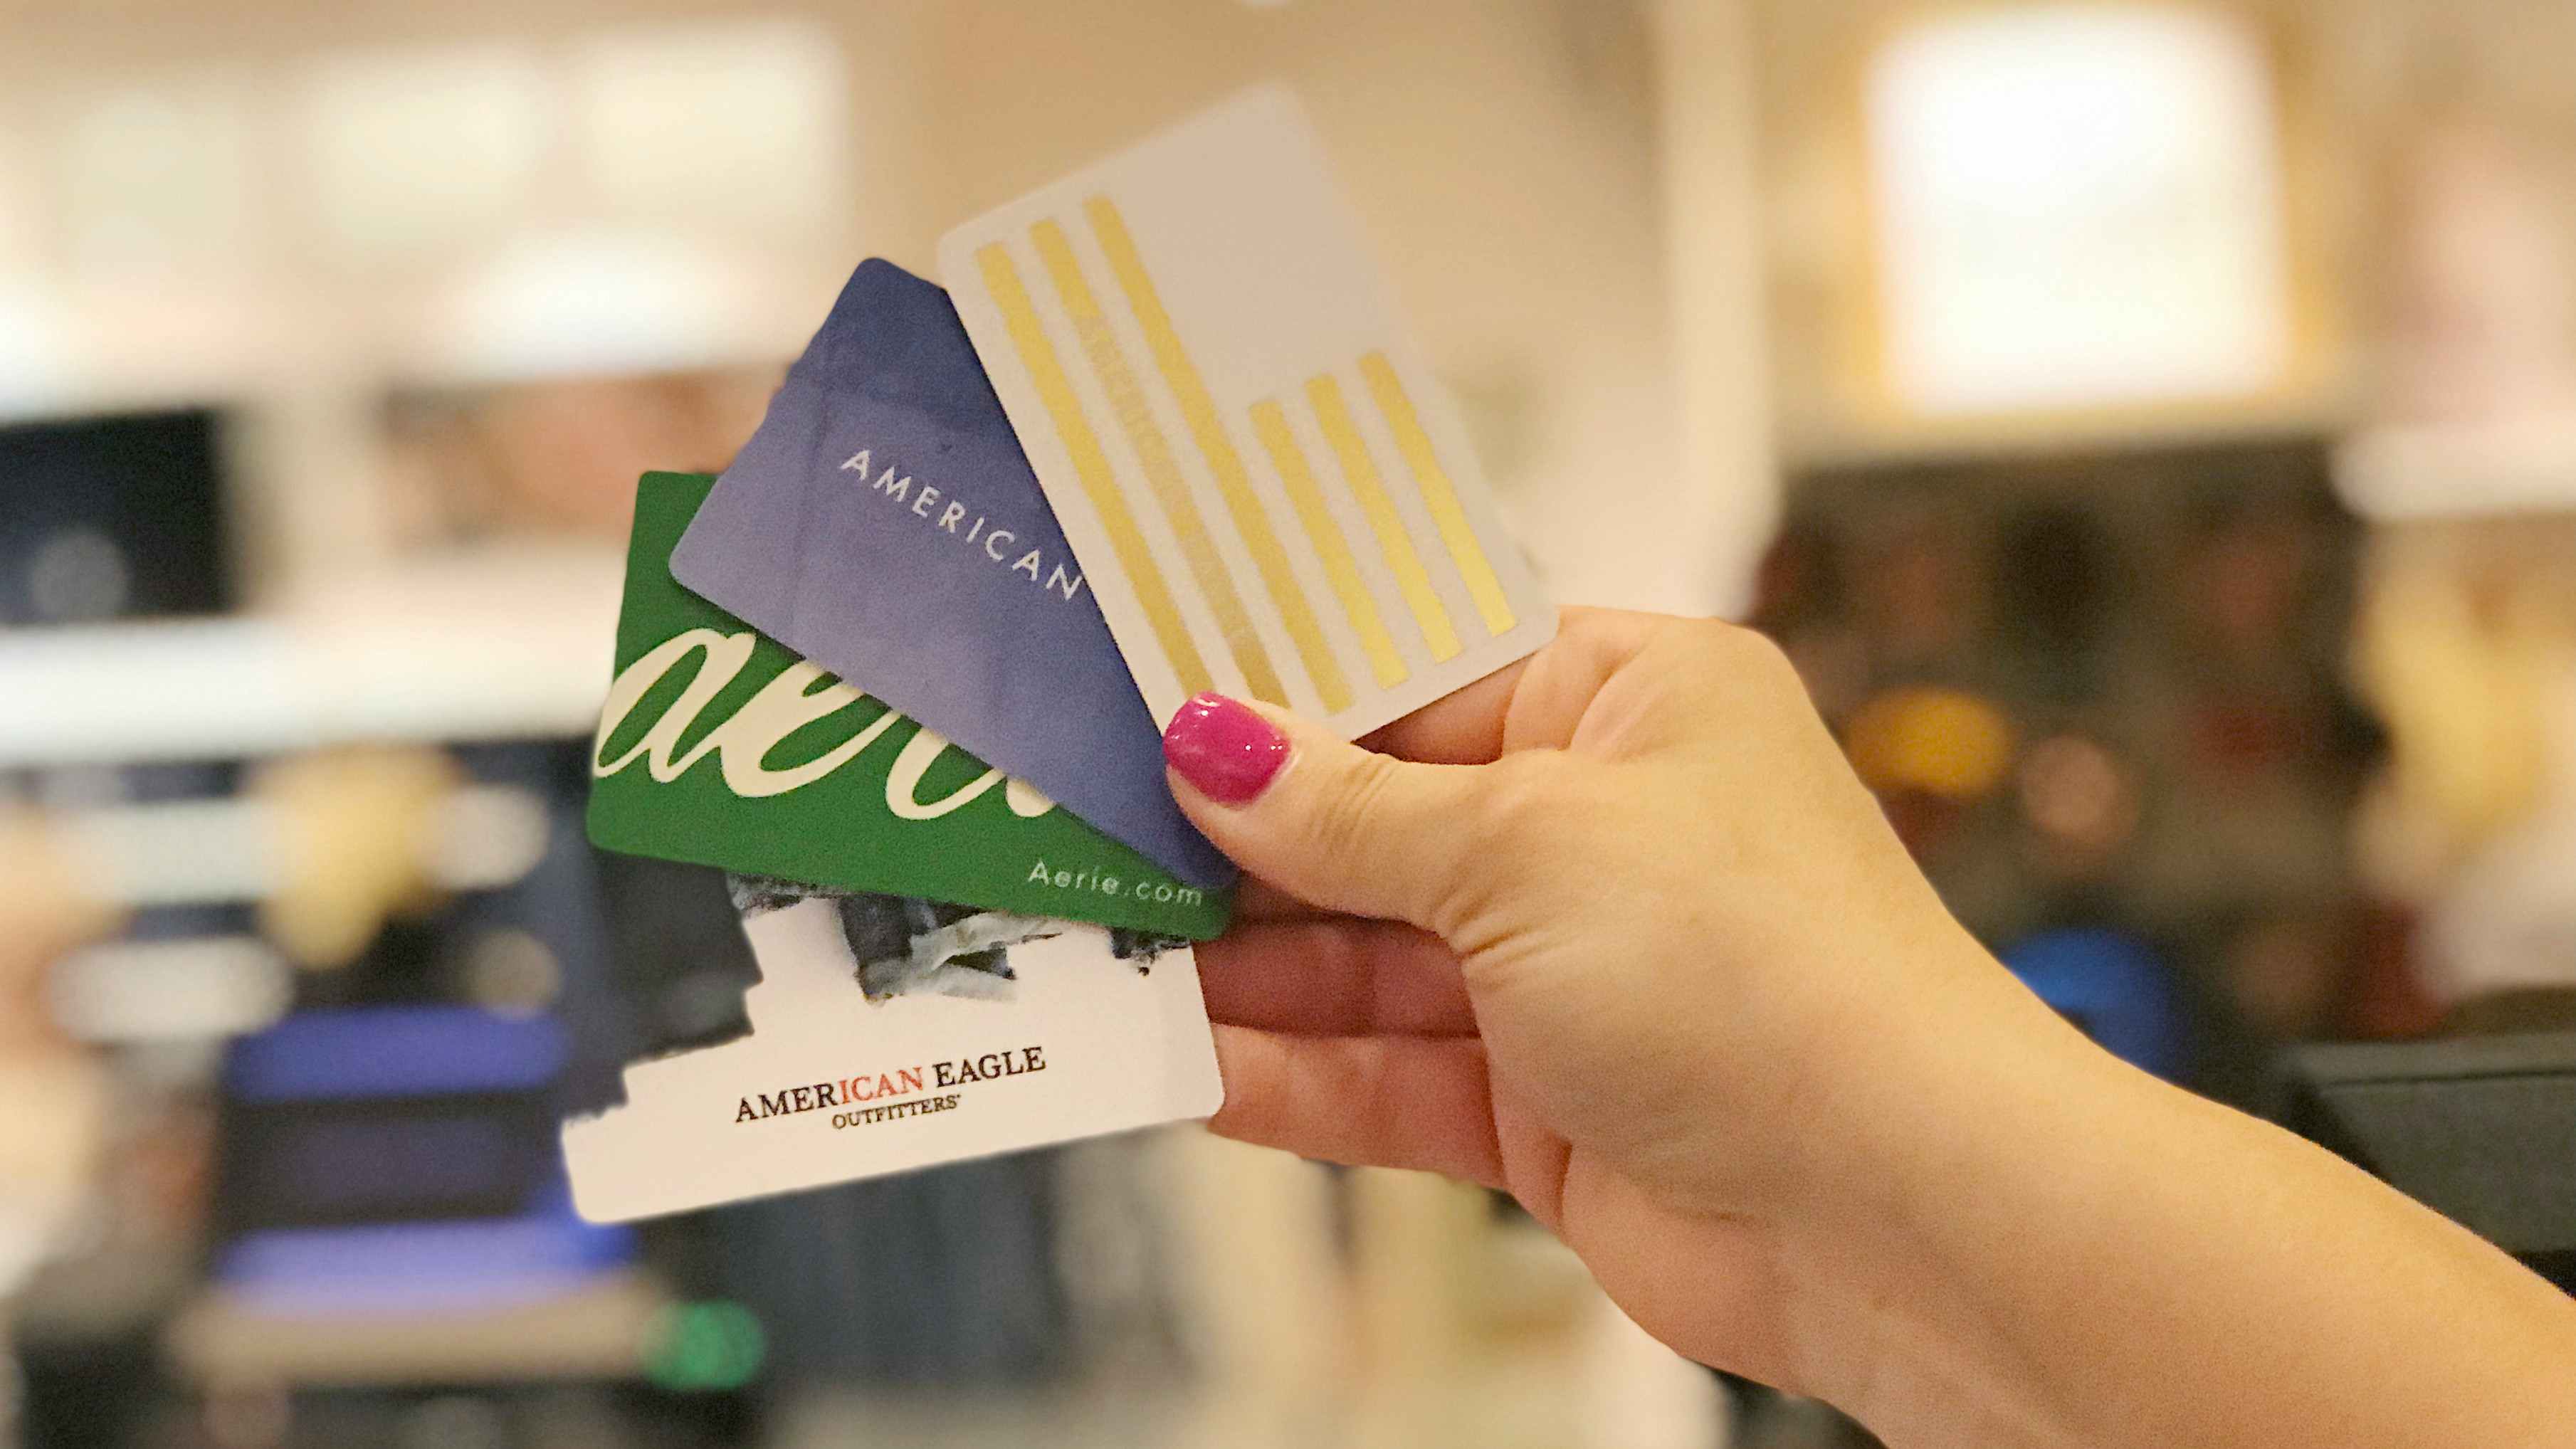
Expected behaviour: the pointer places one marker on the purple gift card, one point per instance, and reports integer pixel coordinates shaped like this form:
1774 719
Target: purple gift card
884 524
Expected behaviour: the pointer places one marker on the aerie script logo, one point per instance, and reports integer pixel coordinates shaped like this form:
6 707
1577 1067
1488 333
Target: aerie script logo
786 704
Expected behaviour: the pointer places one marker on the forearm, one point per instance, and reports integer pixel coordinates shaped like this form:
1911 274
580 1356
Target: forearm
2048 1248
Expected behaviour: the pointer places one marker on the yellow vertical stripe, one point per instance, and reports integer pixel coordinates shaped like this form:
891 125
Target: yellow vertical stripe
1091 465
1438 494
1270 424
1360 472
1154 454
1233 482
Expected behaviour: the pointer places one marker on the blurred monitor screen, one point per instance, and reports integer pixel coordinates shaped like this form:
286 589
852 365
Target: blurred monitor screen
112 517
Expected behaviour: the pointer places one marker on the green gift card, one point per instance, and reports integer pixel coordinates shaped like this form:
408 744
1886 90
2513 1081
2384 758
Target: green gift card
719 746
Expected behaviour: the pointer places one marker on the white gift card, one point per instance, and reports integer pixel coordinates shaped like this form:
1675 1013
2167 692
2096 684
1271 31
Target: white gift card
890 1033
1269 494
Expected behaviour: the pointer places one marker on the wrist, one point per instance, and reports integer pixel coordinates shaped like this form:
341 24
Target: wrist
1928 1093
1973 1126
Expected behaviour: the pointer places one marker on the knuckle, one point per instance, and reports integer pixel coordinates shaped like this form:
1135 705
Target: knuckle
1748 647
1351 815
1511 802
1530 822
1746 658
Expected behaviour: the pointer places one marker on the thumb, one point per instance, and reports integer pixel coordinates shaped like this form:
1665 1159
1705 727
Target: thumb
1332 824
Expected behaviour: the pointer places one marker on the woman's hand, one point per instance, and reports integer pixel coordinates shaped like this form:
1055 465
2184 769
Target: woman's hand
1618 931
1624 948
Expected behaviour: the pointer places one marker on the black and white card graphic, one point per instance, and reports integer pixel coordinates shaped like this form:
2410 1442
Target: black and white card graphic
891 1033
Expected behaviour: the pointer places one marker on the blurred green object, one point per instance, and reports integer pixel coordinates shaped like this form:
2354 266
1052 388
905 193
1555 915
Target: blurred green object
706 1347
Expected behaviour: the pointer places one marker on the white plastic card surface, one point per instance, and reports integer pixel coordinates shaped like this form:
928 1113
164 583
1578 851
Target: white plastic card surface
890 1033
1268 492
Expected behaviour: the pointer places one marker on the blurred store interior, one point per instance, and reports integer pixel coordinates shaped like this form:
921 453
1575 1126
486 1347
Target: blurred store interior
2150 426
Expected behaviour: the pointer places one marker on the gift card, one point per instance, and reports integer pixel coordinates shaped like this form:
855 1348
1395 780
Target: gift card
884 524
890 1033
722 747
1266 488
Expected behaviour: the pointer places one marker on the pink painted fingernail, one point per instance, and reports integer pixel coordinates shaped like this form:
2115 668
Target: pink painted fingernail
1226 751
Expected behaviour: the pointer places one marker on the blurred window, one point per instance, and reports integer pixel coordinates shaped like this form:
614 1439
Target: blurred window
2078 205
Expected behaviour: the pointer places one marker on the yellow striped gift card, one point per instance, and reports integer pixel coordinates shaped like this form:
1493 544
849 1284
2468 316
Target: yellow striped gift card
1269 495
